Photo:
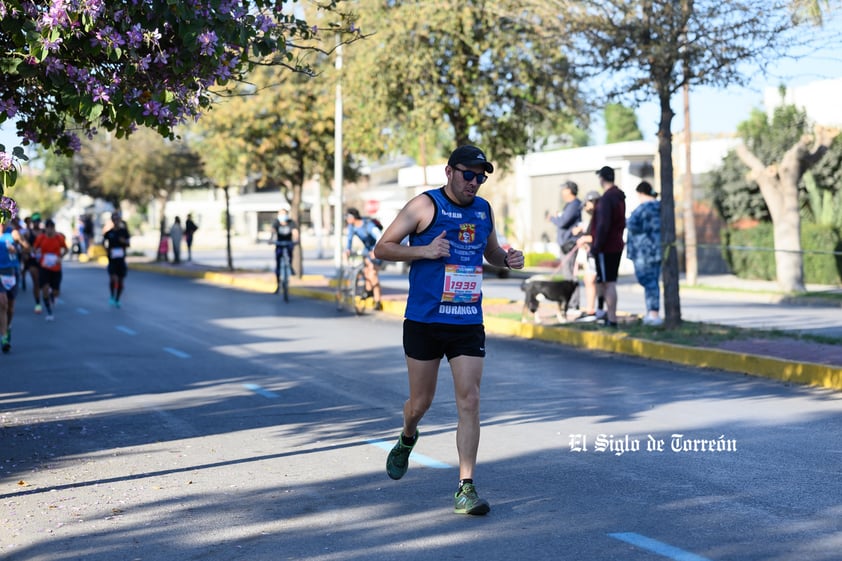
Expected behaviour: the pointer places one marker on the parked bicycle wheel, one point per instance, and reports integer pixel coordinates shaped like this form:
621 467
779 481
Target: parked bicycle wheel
362 296
345 289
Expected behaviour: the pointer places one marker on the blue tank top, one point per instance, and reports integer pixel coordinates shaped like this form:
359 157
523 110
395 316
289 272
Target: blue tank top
449 289
8 260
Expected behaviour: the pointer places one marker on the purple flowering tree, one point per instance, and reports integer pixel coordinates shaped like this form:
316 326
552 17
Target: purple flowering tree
70 67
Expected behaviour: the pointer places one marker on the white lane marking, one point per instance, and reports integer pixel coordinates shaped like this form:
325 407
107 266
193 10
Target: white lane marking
415 457
261 391
126 330
176 352
659 548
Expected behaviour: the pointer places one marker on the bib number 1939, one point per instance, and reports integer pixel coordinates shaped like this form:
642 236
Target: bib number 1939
462 284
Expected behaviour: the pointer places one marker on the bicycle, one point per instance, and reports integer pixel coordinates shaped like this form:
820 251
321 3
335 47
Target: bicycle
351 289
283 267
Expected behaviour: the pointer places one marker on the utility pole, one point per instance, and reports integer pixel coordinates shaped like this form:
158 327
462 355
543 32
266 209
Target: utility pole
691 264
339 211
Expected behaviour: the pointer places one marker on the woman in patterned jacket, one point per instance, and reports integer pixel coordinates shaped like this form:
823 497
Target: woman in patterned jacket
644 249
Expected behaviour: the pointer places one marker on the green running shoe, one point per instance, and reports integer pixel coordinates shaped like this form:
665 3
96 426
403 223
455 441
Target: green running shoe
398 461
6 343
467 501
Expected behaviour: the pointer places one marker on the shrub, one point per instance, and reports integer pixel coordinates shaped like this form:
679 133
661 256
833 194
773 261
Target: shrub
749 253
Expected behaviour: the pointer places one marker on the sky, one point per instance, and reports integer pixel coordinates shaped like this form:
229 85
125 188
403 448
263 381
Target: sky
718 111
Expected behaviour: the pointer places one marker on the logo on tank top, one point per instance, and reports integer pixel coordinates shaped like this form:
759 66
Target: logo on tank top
467 233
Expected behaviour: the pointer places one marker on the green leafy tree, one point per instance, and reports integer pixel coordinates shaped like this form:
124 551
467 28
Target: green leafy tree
280 131
823 184
484 72
733 195
637 50
778 152
36 193
138 169
621 124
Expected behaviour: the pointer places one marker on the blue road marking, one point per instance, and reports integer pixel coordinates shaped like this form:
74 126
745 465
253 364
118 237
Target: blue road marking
261 391
126 330
176 352
659 548
415 457
82 311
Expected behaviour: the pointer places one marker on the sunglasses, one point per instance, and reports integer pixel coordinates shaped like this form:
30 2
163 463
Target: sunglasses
469 175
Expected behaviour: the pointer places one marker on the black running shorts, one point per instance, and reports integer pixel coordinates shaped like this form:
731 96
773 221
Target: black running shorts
607 266
431 341
117 267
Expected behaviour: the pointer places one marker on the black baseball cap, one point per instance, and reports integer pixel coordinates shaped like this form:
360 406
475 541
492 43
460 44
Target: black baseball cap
470 156
606 173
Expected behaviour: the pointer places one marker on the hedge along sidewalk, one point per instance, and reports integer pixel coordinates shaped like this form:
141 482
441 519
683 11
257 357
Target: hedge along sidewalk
318 287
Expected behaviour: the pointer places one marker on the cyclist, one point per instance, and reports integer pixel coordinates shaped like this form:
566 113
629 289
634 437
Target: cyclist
369 233
285 235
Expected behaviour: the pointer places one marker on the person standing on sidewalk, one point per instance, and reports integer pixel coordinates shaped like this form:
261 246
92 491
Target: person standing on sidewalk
450 229
565 221
594 299
609 222
189 230
116 241
176 233
644 249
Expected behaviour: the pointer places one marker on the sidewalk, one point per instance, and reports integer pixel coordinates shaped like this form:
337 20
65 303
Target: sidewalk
787 359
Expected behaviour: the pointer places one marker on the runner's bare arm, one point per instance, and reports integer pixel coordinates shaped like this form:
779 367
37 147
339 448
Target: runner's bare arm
413 218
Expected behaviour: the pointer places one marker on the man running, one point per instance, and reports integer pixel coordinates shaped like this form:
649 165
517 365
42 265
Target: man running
52 247
450 230
10 244
31 258
116 240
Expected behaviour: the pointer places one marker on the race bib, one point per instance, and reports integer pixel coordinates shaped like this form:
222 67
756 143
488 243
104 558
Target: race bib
8 281
118 252
462 284
49 260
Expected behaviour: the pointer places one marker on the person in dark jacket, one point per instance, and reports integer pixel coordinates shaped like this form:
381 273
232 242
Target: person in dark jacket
609 222
569 217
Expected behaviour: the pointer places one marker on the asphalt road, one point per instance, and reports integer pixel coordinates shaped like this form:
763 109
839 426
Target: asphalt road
199 422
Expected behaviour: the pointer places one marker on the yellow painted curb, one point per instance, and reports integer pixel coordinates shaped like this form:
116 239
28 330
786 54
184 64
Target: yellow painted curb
811 374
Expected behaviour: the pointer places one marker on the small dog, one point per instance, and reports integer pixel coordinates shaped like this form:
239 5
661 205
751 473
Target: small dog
547 287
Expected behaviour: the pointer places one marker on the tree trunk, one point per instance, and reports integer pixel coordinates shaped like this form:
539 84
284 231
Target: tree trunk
228 228
672 302
779 186
789 262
